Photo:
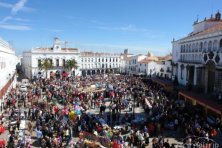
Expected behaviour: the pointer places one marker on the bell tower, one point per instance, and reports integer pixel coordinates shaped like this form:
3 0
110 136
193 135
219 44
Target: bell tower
218 16
56 44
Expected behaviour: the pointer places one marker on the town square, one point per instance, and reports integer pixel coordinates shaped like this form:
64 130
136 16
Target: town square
66 93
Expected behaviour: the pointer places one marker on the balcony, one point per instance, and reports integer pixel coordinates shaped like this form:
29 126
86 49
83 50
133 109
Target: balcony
59 67
191 61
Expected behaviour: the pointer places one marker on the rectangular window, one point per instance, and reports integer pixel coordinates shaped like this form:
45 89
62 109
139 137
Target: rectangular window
57 62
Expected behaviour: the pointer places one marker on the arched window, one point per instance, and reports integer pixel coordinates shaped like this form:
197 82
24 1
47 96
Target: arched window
205 46
210 46
186 48
201 47
193 47
181 48
190 48
196 47
215 45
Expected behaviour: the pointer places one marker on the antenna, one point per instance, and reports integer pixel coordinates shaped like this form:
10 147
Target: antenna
197 18
65 44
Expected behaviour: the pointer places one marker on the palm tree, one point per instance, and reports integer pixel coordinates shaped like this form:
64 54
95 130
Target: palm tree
46 64
71 64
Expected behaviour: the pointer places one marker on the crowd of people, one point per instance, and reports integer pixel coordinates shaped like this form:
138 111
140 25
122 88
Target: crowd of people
59 109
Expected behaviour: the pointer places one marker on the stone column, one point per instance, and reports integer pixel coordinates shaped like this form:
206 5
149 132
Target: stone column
206 80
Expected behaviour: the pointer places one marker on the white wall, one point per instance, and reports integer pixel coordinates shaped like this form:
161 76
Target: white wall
30 61
8 61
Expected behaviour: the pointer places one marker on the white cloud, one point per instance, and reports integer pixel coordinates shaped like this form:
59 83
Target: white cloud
15 27
127 28
18 6
5 19
21 19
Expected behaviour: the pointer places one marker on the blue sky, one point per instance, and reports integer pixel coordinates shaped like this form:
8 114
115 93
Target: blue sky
102 25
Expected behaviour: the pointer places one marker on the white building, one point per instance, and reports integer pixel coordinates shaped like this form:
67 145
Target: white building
8 61
94 63
164 67
149 65
58 55
197 57
124 61
88 62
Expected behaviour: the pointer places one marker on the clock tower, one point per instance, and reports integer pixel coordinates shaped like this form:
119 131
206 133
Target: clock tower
56 44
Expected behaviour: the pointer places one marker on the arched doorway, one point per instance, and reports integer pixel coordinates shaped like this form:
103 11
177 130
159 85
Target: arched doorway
93 72
88 72
210 69
98 71
83 73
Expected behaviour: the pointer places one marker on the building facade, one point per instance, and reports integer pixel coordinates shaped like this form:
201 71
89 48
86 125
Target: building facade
58 55
149 65
97 63
197 57
8 61
124 61
89 63
164 67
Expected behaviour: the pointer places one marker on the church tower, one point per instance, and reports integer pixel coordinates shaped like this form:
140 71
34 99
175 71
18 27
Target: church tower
56 44
218 16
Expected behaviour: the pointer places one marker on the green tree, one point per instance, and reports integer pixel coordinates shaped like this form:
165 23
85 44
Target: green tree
46 64
71 64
